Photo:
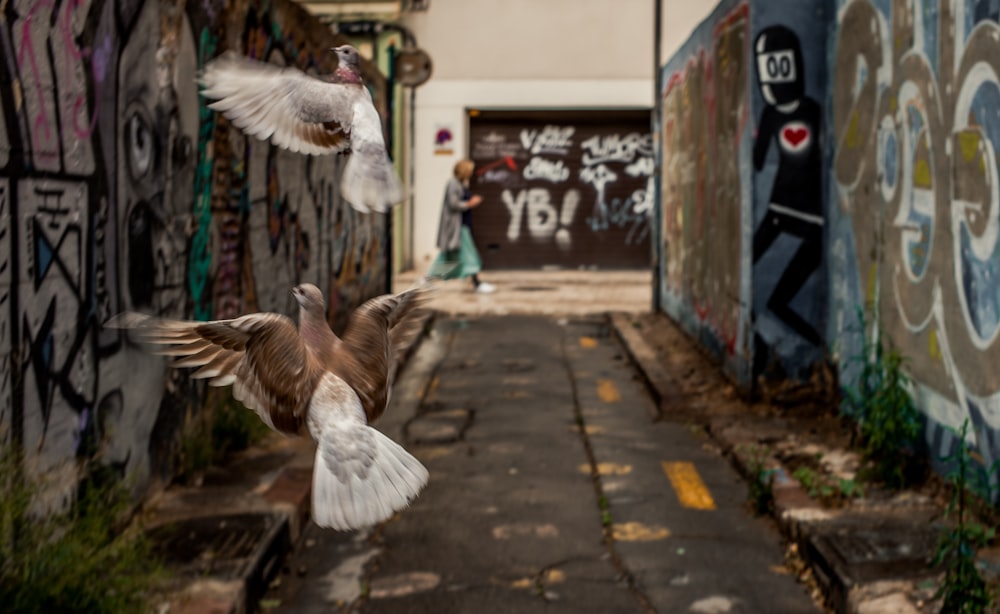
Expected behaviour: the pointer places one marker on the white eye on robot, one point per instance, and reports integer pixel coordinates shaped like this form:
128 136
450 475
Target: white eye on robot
777 66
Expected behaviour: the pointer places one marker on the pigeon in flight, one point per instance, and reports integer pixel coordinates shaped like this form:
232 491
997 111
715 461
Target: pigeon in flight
312 115
307 376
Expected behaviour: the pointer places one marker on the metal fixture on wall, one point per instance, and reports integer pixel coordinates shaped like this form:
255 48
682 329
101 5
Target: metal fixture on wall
413 67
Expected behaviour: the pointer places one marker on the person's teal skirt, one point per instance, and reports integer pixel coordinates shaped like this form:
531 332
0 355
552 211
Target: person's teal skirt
457 263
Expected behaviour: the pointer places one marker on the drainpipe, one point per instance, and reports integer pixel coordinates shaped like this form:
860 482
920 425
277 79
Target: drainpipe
412 160
390 216
655 123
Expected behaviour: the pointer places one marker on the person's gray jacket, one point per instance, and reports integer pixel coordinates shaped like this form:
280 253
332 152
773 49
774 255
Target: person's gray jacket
450 228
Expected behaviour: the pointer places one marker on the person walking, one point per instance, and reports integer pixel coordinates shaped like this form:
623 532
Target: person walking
458 257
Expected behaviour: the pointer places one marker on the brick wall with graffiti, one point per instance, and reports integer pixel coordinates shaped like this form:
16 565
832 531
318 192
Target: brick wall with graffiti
120 190
848 167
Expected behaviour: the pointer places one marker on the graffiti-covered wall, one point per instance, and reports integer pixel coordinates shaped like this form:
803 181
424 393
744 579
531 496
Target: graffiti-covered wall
120 190
705 185
866 182
915 199
742 186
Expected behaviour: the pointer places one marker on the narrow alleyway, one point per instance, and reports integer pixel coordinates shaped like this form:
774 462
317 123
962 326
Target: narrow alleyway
551 490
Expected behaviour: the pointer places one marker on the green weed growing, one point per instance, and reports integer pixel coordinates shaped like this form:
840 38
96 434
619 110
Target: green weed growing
880 400
81 561
831 489
223 427
964 591
605 508
760 491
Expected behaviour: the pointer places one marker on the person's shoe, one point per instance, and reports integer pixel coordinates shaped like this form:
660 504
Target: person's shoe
486 288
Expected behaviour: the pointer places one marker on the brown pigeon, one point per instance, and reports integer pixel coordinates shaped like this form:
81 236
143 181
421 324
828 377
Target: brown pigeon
301 113
334 386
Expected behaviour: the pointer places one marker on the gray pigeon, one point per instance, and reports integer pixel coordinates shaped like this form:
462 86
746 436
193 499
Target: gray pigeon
307 376
330 114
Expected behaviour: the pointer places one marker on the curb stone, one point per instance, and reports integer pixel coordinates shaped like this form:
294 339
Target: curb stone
659 382
227 545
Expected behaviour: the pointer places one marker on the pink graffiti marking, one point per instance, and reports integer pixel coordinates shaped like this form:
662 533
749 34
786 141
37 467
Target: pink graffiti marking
44 139
41 124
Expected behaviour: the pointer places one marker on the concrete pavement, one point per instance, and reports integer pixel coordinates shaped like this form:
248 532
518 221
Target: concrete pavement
550 490
558 292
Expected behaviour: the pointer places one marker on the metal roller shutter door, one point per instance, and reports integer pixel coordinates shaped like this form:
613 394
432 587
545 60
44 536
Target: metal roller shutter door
562 188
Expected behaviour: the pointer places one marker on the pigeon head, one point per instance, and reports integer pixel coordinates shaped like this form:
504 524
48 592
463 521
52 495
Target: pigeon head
348 56
309 298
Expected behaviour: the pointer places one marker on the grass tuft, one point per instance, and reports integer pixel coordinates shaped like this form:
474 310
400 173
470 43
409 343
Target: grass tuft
81 561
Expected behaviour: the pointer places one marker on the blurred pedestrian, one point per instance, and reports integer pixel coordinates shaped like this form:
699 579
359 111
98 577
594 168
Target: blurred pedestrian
458 257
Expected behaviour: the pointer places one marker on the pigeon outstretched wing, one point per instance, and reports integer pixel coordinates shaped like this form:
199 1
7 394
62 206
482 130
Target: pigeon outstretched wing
369 352
282 104
310 115
261 355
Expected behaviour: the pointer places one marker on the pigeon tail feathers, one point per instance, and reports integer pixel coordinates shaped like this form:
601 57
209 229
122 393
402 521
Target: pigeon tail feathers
369 182
359 501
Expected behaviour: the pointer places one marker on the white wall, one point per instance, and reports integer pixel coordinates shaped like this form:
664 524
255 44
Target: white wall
525 54
529 39
679 19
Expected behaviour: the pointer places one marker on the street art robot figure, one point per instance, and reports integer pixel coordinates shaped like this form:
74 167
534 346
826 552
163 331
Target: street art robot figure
790 120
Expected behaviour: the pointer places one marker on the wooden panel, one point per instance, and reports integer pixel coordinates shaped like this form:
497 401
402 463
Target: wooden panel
568 189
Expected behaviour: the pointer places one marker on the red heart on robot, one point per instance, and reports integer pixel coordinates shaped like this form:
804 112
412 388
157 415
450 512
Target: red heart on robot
795 136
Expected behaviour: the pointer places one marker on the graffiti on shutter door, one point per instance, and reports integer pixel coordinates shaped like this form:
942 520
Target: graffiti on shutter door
568 190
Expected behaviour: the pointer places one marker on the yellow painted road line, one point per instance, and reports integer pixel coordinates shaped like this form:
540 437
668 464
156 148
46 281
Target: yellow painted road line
691 491
608 392
588 342
607 469
638 532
